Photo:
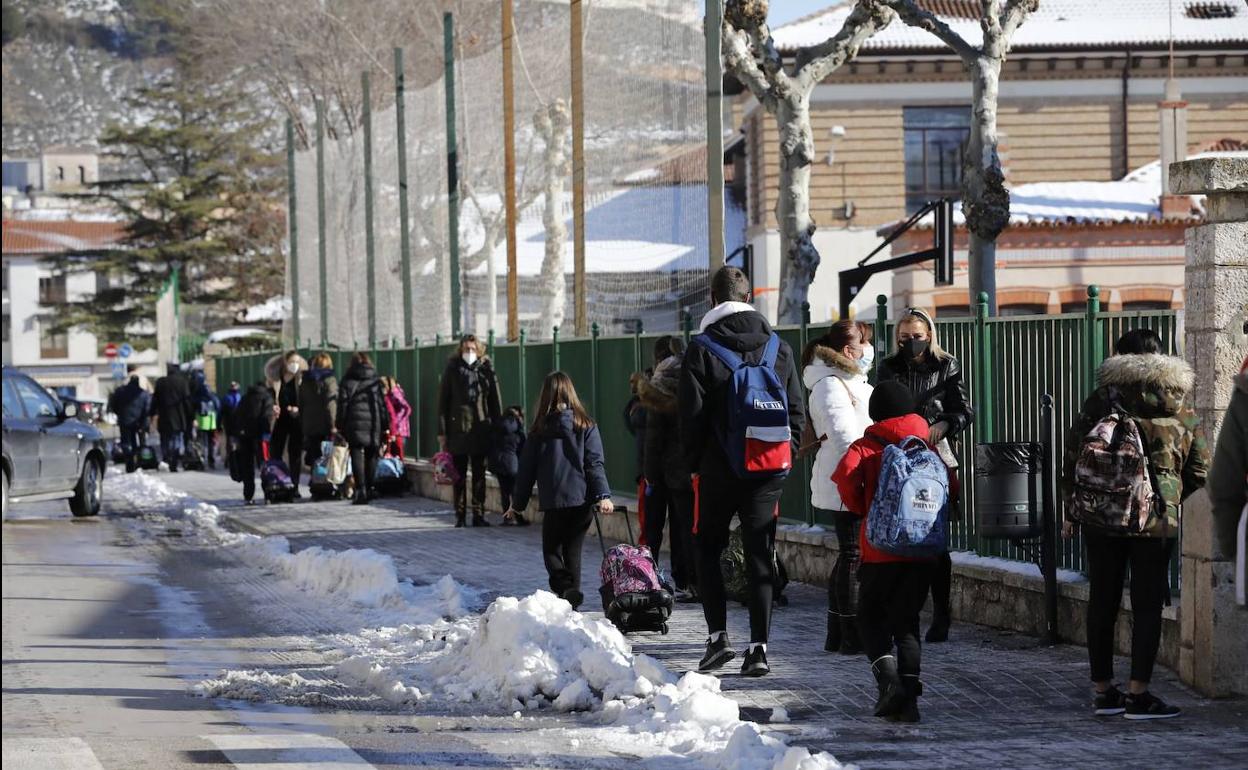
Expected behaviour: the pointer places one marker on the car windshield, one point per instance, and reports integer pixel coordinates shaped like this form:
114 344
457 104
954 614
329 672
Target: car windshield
37 402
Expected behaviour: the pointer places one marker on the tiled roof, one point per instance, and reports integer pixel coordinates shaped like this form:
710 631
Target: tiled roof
1067 24
55 237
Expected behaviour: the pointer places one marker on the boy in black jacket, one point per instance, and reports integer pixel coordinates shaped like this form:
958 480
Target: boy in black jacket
718 492
504 458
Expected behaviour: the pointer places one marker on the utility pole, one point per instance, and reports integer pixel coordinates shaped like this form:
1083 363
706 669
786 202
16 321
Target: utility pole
405 242
370 246
293 222
322 247
578 168
452 165
714 136
509 169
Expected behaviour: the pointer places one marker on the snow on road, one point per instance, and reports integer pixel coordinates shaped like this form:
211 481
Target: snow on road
426 646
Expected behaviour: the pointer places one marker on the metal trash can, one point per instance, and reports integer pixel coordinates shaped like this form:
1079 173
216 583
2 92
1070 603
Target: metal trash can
1008 489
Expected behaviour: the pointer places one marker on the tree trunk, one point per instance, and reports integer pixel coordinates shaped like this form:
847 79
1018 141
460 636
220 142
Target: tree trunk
985 201
553 124
491 272
797 150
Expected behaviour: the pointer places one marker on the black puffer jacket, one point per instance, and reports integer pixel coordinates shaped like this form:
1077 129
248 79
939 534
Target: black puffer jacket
130 403
937 385
362 415
504 457
254 417
566 463
664 460
703 378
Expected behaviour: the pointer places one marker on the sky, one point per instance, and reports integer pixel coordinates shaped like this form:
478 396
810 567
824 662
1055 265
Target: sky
784 11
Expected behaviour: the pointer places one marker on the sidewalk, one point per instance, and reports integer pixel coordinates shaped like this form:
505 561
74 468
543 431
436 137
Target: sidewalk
992 699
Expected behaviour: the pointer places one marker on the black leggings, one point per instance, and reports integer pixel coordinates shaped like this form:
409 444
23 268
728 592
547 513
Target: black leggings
363 467
942 582
843 582
661 511
1108 558
563 537
754 503
288 441
890 596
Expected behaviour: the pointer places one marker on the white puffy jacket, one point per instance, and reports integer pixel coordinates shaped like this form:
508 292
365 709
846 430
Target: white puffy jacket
839 395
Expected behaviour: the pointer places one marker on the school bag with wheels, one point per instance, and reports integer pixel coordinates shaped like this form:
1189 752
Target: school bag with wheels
911 505
736 579
192 458
145 456
444 471
391 477
633 596
756 435
330 472
1114 488
275 479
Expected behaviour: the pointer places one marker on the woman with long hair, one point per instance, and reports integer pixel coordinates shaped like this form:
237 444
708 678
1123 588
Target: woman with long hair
838 416
563 456
934 377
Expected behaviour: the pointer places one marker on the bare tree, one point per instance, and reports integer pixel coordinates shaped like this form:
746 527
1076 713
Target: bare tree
553 123
751 56
985 201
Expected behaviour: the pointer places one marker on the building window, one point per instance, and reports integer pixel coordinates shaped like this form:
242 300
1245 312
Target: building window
52 344
60 173
82 175
934 141
1146 304
954 311
52 290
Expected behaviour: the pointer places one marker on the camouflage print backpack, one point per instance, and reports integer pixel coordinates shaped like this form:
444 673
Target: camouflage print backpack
1114 491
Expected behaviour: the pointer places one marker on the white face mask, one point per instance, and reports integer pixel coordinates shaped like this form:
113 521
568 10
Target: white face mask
867 357
292 367
470 357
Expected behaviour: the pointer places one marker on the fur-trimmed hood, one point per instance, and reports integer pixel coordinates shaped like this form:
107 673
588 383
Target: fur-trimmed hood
659 392
1146 384
828 362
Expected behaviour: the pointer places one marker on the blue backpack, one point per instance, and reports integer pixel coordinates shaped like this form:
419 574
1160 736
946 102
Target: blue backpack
911 504
756 436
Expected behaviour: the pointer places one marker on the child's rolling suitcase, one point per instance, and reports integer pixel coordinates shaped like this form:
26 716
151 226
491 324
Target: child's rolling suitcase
145 456
633 596
192 457
275 479
391 477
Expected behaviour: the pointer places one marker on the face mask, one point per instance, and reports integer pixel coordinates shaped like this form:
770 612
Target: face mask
915 348
867 357
293 368
470 357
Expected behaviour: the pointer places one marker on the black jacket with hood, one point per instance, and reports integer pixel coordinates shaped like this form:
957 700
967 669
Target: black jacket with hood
362 415
254 417
740 328
664 461
130 403
468 404
171 403
508 443
566 463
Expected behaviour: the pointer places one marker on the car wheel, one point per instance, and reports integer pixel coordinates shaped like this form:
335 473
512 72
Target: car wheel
4 507
90 490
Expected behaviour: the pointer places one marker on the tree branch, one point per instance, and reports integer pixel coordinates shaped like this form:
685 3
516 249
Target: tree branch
739 60
1016 12
816 62
911 13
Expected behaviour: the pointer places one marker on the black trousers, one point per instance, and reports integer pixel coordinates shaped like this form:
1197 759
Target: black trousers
661 506
843 582
684 552
248 456
1108 559
890 596
478 484
754 503
942 583
287 442
563 537
506 487
363 467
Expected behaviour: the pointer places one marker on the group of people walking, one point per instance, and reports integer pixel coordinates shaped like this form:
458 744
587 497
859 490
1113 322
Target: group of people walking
185 412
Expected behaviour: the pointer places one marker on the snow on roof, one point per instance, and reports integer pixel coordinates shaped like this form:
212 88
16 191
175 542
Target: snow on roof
272 310
1055 24
221 335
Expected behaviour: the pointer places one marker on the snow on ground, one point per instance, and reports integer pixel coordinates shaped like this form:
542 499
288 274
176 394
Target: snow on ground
520 655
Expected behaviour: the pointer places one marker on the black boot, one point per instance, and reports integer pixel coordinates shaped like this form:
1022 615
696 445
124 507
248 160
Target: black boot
939 630
832 642
909 711
478 519
459 521
850 644
892 695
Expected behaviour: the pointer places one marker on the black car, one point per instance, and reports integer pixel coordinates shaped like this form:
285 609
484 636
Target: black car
48 453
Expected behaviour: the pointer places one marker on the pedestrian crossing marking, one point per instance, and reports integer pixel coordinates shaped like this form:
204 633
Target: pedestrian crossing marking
286 751
49 754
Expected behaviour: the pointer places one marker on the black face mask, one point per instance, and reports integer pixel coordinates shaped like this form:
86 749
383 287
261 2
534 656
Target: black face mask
915 348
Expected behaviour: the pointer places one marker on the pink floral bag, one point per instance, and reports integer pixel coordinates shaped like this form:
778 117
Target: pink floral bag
444 471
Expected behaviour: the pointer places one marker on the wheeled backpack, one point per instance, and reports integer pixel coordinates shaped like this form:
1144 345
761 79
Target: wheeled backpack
192 457
755 436
391 477
1114 490
275 480
330 472
911 505
634 598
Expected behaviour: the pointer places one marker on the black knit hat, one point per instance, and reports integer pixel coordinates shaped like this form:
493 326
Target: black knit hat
890 399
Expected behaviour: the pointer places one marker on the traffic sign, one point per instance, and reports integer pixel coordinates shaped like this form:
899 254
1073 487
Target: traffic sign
110 350
125 351
119 370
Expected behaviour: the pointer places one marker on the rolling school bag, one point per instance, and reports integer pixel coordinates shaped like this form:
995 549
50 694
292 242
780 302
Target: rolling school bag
275 479
756 437
910 510
330 472
633 596
192 458
391 476
145 456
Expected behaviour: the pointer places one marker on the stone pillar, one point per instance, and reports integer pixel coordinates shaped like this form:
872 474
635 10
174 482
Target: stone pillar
1213 653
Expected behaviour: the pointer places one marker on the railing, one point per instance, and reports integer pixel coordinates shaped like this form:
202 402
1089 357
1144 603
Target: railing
1008 364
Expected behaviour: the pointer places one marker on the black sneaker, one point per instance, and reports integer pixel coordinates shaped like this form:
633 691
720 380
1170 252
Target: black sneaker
1110 703
1149 706
755 663
717 654
521 521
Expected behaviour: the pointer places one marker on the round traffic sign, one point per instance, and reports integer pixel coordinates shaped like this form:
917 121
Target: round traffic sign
125 351
110 350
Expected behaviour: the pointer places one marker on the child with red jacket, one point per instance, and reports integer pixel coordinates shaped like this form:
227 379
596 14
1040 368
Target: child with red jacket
891 589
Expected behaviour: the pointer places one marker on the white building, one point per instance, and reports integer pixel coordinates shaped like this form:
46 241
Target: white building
72 360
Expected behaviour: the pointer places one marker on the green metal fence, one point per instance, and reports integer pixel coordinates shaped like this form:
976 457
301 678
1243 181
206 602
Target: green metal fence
1008 364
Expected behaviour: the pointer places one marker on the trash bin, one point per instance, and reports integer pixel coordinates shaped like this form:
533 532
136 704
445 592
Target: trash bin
1008 496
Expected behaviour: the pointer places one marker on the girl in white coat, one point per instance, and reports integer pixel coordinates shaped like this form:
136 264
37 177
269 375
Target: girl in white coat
834 373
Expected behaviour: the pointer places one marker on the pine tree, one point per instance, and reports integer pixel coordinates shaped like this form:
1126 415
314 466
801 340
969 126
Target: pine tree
201 195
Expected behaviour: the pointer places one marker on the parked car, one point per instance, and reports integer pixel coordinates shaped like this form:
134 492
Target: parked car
90 410
49 453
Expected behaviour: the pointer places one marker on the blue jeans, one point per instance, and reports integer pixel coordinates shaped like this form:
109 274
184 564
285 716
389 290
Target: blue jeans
171 449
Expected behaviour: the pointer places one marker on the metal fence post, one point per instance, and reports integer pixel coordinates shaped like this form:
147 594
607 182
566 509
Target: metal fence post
1095 349
803 333
554 349
524 380
419 394
322 247
370 248
983 372
637 346
686 324
293 223
405 237
452 164
594 331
